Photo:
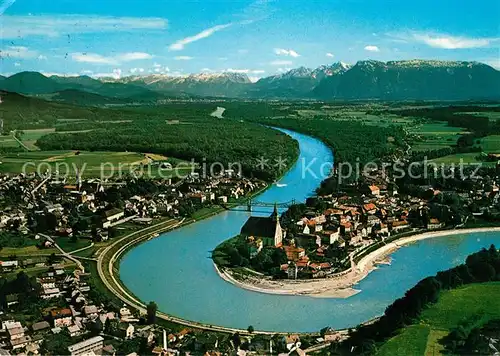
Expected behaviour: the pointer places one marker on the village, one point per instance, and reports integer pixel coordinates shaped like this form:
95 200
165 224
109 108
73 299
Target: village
51 231
325 237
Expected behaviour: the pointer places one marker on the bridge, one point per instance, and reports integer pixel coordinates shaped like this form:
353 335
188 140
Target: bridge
251 203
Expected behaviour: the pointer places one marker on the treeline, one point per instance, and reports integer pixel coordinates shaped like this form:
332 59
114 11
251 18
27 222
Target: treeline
206 141
482 266
469 339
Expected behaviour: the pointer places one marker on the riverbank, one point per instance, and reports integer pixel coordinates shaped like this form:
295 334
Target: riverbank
343 284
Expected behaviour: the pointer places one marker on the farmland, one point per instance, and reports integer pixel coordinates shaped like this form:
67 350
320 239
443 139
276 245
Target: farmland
89 164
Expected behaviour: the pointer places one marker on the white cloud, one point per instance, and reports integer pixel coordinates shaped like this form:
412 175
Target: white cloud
286 52
283 70
371 48
258 71
42 57
222 58
243 51
93 58
281 63
183 58
113 60
180 44
133 56
17 64
116 73
46 25
331 55
451 42
136 70
17 52
6 4
87 72
157 65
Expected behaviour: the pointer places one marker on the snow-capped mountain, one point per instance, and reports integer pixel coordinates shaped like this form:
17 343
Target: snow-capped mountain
203 84
298 82
368 79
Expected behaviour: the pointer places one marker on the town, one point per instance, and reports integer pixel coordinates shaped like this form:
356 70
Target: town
52 230
327 235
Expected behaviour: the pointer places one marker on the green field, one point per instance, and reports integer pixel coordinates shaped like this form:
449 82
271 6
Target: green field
465 158
412 341
434 135
491 144
90 164
478 302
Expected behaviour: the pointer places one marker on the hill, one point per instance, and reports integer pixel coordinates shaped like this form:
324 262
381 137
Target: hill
29 83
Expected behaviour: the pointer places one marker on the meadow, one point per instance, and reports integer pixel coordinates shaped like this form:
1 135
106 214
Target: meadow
477 302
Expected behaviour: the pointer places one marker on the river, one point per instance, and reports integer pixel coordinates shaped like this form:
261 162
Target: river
175 270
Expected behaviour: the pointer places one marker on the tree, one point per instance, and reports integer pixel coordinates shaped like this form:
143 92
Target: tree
250 329
57 344
151 312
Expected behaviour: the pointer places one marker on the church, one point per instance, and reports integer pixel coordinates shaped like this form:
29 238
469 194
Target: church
266 229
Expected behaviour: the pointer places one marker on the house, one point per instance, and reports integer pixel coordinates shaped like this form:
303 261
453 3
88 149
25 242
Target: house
268 229
291 341
90 311
40 326
61 317
374 190
8 266
74 330
16 335
90 346
370 208
12 299
294 253
129 332
435 224
328 237
108 350
197 198
112 215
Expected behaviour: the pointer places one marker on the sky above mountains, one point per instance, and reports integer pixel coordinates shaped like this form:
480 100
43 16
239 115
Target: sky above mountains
256 37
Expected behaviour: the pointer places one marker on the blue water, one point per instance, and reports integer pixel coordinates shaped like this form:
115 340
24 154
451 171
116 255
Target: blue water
175 270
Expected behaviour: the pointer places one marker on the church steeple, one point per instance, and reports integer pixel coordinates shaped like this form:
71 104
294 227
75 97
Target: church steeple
275 215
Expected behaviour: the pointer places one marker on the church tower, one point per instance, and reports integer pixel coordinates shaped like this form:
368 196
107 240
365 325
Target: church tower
278 232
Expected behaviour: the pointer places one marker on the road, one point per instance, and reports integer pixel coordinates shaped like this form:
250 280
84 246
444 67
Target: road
114 285
65 254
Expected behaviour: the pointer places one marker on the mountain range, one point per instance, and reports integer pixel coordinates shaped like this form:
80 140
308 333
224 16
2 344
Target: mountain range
366 80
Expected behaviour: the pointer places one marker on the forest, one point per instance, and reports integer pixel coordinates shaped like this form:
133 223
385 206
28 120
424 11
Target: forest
482 266
204 140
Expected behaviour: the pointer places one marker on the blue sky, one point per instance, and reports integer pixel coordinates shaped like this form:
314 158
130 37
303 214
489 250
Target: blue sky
257 37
